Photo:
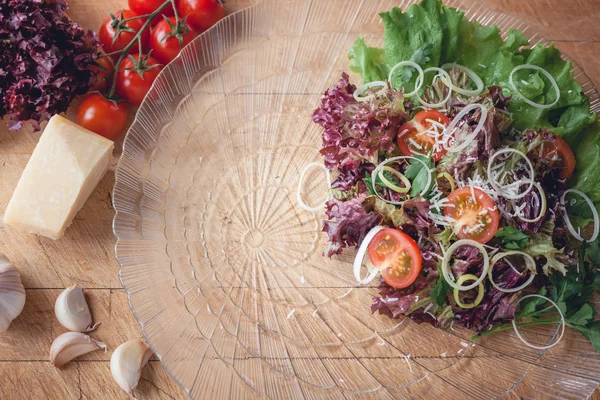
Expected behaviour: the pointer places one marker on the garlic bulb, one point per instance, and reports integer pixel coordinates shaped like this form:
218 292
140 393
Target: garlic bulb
71 345
127 362
72 310
12 293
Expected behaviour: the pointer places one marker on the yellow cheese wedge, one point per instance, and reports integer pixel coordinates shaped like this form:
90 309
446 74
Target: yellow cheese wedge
65 167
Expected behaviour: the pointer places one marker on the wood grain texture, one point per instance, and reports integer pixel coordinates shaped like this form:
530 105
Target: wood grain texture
85 255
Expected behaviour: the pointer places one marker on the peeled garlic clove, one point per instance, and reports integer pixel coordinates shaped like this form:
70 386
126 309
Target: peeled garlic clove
72 310
12 293
127 362
71 345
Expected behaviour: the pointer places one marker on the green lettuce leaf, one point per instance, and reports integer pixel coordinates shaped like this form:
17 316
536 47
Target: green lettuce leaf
587 154
367 61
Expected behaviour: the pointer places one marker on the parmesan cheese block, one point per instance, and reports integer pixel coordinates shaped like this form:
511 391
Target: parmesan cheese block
65 167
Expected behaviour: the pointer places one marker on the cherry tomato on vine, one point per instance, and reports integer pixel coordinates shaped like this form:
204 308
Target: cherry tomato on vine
135 80
475 213
397 256
164 41
103 71
142 7
202 14
416 137
109 28
102 116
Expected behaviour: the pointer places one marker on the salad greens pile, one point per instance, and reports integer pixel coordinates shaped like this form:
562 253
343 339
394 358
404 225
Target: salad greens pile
444 202
432 35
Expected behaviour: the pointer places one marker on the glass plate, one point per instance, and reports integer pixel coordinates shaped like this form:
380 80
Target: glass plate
224 271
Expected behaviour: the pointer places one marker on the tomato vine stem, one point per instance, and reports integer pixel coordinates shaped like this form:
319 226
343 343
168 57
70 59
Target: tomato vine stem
136 39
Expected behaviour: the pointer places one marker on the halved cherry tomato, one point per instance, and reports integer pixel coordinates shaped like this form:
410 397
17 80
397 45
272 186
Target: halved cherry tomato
425 117
108 31
555 150
477 217
103 69
397 256
413 137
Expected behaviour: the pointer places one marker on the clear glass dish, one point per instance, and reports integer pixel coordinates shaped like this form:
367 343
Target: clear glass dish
224 271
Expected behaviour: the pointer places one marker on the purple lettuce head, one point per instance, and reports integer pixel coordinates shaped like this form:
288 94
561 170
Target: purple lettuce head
45 60
348 224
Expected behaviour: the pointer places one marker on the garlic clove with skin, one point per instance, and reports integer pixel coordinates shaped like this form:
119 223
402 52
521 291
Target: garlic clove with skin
72 310
71 345
12 293
126 363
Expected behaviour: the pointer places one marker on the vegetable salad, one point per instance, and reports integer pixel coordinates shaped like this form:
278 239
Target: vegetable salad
466 174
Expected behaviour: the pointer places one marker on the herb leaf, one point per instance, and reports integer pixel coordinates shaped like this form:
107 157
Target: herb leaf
530 307
378 182
419 175
584 315
592 333
441 289
512 238
593 252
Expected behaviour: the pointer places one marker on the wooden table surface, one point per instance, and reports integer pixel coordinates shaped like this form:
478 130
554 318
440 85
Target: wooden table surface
85 255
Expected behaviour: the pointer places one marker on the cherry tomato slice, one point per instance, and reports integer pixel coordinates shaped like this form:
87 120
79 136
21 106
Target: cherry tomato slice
475 212
413 137
397 256
555 150
425 118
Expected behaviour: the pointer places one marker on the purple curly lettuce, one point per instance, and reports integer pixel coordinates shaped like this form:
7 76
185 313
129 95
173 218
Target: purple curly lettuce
356 130
496 307
397 302
488 138
414 216
45 60
351 173
348 224
547 174
467 260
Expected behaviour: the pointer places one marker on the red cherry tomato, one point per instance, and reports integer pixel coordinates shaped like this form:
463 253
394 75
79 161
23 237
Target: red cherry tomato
475 213
557 150
130 85
202 14
416 137
397 256
102 116
107 32
103 71
143 7
166 48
